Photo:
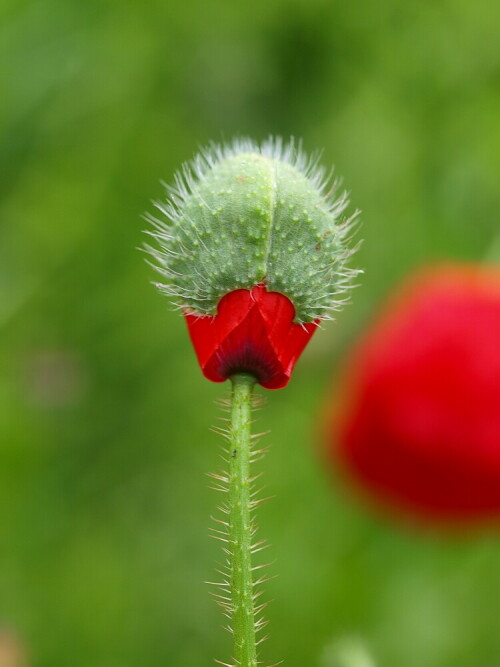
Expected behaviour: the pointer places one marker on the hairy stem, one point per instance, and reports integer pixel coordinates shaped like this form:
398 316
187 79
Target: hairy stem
240 524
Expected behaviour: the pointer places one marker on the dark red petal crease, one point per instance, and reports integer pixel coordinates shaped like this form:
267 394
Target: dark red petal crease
253 332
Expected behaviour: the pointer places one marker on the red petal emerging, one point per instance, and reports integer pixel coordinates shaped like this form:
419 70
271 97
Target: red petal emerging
253 332
421 423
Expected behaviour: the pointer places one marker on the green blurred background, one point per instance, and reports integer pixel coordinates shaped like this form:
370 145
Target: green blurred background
104 415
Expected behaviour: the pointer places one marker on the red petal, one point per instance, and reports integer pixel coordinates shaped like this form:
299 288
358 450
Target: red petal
253 332
421 423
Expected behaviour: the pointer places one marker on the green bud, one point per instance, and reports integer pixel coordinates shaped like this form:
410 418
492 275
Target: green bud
245 214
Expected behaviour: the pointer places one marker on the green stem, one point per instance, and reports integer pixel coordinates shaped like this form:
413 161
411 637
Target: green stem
240 524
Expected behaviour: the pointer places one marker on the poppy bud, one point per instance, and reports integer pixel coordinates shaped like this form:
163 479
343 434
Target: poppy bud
254 253
419 428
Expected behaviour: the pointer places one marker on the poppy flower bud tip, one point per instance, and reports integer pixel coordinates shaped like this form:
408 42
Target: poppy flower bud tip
243 214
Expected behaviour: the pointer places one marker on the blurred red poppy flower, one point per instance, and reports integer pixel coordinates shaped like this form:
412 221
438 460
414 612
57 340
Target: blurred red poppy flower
419 428
253 332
